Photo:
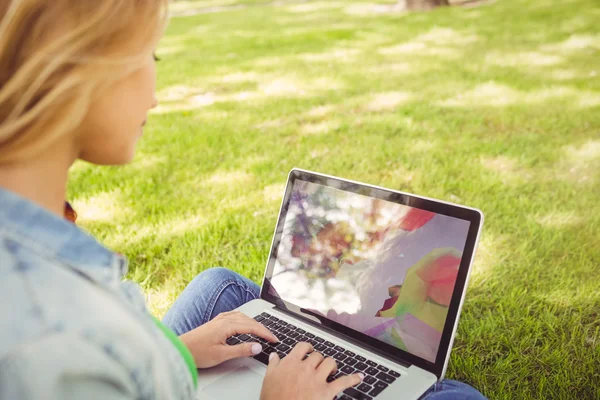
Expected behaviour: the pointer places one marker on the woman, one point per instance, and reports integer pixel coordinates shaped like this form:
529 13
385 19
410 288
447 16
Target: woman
77 79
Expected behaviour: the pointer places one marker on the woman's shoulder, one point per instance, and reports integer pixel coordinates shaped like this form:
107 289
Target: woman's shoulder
45 296
49 303
63 365
21 312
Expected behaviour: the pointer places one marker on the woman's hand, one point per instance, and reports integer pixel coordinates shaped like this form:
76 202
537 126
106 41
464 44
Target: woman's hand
207 342
296 378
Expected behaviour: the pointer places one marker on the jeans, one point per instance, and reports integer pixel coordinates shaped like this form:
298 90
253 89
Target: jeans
218 290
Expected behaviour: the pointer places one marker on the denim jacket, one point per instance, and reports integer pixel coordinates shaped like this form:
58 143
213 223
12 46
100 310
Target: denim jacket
69 327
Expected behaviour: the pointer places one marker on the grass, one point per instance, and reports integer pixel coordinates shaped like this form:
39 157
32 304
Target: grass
497 107
184 7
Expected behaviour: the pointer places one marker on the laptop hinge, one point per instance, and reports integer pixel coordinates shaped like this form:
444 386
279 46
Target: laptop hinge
343 337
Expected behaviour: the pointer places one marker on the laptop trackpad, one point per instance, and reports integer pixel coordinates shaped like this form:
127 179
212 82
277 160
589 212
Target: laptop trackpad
247 385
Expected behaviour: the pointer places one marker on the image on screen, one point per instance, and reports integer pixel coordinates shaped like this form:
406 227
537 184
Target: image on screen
378 267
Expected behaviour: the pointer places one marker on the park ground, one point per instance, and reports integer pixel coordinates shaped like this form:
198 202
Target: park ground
495 106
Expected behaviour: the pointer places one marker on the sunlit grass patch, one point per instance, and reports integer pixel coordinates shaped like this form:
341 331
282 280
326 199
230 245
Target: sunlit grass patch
318 128
525 59
313 6
388 101
104 207
580 164
497 95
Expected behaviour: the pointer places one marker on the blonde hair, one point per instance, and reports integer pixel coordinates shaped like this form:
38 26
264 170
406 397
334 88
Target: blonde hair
57 56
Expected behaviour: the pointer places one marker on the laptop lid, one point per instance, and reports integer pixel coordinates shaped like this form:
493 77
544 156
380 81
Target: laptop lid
385 269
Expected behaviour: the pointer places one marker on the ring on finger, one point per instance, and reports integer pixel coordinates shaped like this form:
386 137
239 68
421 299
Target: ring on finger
327 367
315 359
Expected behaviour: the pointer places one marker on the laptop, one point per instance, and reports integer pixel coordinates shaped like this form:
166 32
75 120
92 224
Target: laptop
372 277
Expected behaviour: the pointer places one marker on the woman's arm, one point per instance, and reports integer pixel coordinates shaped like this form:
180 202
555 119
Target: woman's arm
63 366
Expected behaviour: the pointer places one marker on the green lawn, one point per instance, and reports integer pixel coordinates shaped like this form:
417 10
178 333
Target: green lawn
496 107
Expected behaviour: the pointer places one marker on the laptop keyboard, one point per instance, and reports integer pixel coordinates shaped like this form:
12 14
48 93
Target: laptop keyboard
377 377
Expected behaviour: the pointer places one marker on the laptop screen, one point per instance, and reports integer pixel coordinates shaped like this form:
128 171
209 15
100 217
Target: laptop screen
381 268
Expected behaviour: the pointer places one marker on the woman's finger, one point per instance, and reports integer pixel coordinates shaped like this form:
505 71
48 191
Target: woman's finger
314 360
344 382
241 317
253 327
248 349
326 368
273 363
229 313
300 350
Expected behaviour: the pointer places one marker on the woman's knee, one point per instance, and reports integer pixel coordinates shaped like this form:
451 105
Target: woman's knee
220 289
449 390
211 277
211 292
